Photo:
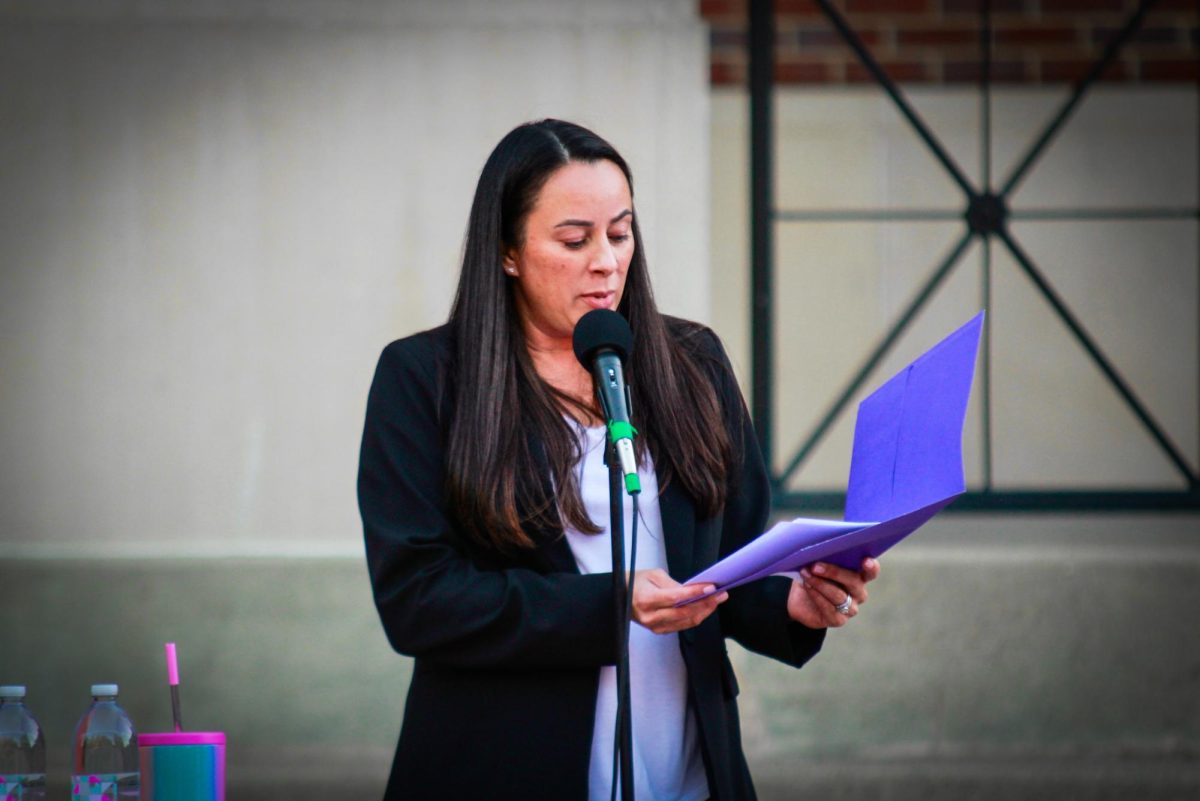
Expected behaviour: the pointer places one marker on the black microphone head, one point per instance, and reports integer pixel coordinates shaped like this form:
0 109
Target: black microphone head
601 329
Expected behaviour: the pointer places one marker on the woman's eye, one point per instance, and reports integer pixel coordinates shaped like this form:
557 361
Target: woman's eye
618 237
575 244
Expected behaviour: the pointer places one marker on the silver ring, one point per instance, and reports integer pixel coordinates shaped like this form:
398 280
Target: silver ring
844 607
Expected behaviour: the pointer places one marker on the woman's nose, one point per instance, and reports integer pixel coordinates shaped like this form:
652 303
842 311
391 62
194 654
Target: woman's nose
605 260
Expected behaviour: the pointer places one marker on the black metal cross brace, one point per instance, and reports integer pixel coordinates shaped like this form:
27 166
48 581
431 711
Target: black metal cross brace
986 214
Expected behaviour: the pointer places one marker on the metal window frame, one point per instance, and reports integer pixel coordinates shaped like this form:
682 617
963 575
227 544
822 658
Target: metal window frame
986 215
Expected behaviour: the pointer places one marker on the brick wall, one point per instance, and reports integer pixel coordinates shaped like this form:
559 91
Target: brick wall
938 41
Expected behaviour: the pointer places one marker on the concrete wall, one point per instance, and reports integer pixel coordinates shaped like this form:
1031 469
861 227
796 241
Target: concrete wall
216 214
1002 657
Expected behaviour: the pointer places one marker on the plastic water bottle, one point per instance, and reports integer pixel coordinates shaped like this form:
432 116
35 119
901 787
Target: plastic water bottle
22 749
106 752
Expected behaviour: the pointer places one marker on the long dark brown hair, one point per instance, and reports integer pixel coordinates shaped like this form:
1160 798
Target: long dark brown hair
507 430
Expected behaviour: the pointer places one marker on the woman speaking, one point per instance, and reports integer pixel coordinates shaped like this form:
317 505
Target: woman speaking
485 501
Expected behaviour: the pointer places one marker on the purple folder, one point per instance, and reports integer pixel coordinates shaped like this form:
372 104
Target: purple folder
906 467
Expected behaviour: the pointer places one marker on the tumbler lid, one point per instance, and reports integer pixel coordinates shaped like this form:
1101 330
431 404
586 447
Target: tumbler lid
105 689
12 691
181 738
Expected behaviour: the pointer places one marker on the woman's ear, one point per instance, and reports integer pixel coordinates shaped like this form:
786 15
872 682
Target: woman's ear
510 264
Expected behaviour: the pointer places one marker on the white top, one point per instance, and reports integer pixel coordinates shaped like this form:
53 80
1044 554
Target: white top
666 749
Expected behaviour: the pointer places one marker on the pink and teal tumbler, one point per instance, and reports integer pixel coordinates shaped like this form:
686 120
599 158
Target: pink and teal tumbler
182 766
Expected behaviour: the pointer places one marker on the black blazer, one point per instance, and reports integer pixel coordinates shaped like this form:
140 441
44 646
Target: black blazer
508 647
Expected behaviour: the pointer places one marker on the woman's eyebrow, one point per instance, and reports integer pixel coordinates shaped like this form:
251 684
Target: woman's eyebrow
589 223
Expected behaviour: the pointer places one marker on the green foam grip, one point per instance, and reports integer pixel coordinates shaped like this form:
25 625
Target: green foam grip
619 429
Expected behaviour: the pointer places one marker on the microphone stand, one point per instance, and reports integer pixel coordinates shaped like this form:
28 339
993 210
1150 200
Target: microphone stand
621 591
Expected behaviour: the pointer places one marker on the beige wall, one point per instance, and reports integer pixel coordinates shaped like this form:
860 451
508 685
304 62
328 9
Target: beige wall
216 214
1133 285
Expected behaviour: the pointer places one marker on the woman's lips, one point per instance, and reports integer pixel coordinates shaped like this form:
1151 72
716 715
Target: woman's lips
599 300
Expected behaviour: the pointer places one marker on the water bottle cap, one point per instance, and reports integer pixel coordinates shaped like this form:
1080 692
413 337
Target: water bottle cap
104 689
12 691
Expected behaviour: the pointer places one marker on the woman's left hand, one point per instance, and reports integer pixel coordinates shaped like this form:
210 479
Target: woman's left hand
823 587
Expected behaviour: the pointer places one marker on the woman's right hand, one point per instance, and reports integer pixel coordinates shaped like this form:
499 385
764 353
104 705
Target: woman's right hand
655 595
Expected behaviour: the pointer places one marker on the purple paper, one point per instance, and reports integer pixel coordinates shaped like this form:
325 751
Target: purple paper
775 551
908 435
906 466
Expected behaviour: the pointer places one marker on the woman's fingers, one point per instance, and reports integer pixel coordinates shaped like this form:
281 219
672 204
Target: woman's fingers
830 600
870 569
828 596
655 599
835 591
673 619
660 589
843 581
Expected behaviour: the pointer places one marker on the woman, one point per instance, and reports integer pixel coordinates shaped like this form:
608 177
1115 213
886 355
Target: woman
482 510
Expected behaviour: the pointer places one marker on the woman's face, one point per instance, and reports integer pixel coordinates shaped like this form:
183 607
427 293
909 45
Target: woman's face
576 248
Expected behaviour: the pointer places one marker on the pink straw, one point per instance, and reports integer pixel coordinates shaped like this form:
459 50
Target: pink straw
172 665
173 680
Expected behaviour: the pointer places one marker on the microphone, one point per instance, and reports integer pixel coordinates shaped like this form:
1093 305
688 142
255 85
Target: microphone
602 342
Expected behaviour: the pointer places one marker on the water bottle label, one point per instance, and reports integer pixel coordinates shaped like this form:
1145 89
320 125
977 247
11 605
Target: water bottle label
103 786
19 786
